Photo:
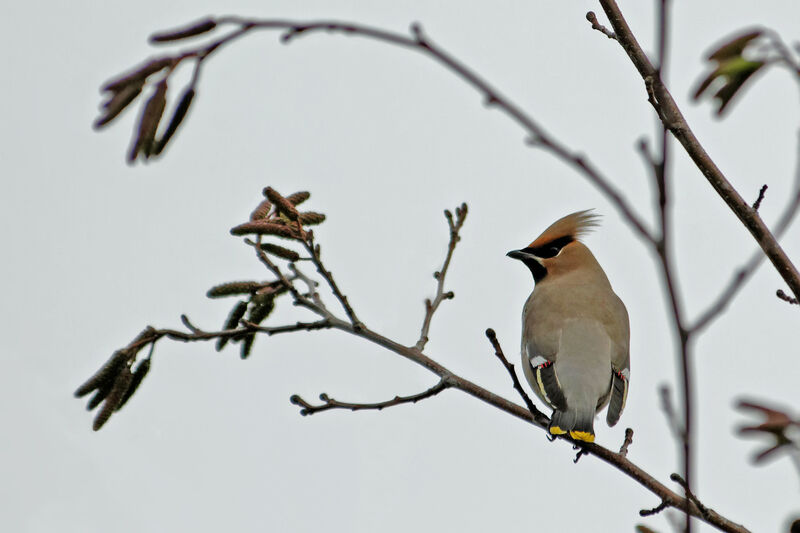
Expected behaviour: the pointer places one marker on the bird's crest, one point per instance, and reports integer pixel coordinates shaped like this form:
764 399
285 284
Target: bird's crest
574 225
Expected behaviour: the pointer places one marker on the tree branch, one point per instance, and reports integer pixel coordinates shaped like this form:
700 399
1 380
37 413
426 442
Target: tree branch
615 459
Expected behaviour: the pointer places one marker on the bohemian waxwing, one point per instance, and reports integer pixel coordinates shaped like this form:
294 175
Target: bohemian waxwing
575 332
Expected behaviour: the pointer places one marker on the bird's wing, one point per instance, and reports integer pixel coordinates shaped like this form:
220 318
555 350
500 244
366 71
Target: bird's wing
620 363
541 373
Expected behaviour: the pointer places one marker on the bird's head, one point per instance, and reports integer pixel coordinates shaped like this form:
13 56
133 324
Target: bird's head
558 249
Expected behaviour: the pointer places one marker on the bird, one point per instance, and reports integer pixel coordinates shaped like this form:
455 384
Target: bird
575 330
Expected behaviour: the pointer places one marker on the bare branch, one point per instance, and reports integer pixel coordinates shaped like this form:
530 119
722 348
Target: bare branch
539 416
441 295
330 403
682 482
313 251
655 510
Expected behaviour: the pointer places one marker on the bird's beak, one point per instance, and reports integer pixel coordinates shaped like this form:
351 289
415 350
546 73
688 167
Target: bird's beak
522 255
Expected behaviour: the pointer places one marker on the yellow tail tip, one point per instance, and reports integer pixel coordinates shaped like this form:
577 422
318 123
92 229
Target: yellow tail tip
585 436
555 430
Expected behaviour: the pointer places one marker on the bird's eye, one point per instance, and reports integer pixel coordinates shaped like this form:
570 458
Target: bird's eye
548 251
551 249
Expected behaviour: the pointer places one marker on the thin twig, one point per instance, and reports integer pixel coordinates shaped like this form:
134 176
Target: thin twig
682 482
330 403
669 412
655 510
313 251
592 18
623 450
760 198
441 295
498 351
786 298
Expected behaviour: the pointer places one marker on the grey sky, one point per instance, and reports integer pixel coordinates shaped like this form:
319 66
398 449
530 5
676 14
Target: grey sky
384 139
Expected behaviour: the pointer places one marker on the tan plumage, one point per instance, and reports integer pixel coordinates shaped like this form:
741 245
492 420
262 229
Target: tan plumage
575 332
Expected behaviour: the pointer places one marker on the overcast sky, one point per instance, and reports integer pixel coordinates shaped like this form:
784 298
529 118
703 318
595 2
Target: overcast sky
385 139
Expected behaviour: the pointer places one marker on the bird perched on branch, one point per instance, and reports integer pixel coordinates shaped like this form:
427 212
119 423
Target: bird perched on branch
575 331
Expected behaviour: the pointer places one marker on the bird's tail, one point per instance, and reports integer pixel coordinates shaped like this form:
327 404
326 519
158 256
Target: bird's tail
578 423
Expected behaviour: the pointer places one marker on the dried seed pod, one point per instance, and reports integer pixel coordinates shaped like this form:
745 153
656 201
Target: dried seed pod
233 288
138 375
196 28
119 101
281 204
280 251
231 322
99 395
261 211
105 375
139 75
257 314
261 227
298 197
121 385
177 117
311 218
247 345
148 122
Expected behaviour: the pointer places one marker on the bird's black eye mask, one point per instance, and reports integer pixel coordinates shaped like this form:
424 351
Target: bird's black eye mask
550 249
